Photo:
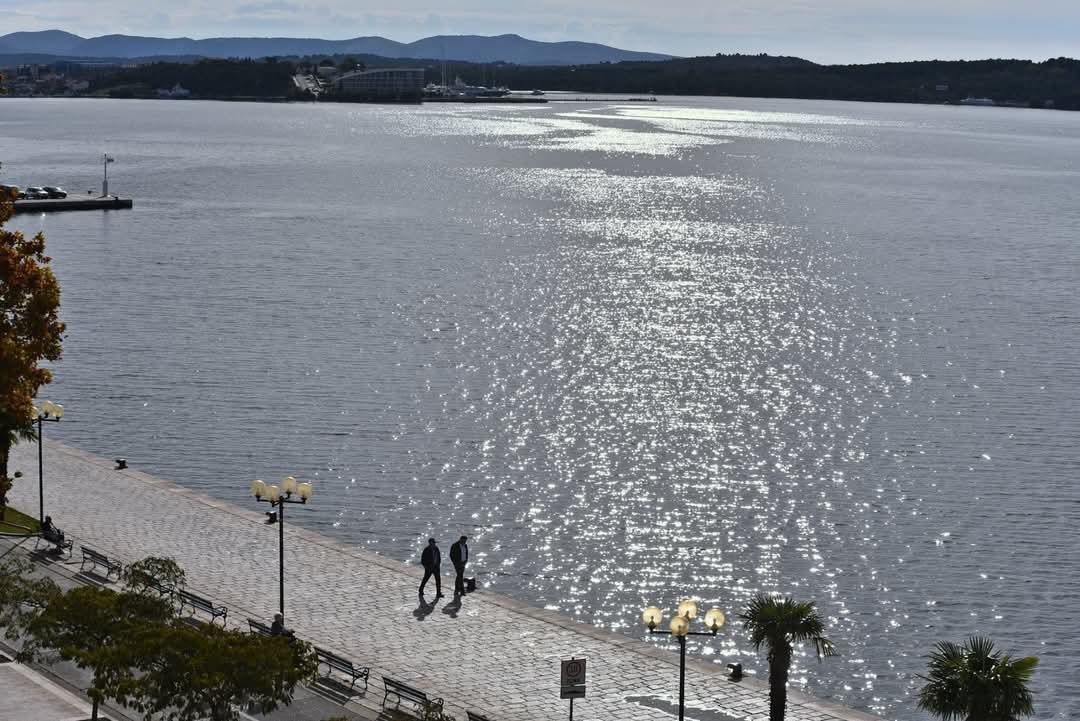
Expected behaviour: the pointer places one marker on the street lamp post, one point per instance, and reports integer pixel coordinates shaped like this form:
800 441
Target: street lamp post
105 160
680 629
278 498
48 411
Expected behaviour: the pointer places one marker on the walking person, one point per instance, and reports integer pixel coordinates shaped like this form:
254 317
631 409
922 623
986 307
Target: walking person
459 556
431 559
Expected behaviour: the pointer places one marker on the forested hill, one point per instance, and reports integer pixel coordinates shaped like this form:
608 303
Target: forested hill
1053 83
1022 82
467 48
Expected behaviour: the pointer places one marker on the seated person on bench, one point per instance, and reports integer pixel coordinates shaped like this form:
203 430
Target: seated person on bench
52 534
277 628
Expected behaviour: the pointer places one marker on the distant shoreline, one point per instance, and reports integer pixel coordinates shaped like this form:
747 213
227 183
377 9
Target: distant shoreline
584 98
1052 84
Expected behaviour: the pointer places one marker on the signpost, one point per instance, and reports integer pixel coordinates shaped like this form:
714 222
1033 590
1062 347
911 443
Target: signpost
572 684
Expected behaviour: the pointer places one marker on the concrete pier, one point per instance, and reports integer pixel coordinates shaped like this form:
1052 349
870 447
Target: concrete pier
73 202
487 653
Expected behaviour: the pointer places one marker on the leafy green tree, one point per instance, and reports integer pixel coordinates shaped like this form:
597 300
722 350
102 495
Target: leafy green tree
154 575
30 332
21 595
776 624
435 713
190 673
92 628
349 64
976 682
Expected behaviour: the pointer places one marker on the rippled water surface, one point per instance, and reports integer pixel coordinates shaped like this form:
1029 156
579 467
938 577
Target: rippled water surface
702 347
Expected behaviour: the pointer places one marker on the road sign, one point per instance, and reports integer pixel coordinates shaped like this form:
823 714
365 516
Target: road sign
573 679
573 672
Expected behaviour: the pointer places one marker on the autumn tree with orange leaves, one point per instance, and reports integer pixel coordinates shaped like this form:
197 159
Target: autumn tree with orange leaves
30 332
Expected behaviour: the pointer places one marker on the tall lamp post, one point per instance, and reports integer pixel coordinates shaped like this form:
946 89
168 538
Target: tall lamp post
105 160
278 498
48 411
680 629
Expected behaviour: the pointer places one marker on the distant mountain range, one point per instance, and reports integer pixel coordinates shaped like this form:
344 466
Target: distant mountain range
471 48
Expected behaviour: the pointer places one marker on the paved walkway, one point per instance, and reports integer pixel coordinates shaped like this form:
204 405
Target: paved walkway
493 655
56 691
29 696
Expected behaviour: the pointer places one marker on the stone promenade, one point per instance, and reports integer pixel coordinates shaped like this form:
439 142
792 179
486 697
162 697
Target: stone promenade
492 655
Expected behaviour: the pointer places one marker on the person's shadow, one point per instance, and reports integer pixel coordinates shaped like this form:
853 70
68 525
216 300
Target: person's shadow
424 609
451 609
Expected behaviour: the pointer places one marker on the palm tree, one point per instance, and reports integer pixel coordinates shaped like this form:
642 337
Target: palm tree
976 682
776 624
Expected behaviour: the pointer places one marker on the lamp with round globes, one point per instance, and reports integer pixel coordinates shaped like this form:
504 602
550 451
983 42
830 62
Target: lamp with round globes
652 617
688 609
288 485
45 411
278 497
679 627
714 619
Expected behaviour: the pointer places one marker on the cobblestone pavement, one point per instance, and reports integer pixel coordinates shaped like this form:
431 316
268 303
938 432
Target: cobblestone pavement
28 696
493 655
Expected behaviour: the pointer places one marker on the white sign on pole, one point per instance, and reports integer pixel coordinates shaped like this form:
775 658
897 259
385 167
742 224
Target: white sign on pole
573 678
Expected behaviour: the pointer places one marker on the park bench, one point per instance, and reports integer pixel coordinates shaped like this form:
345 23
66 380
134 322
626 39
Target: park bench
473 716
198 603
60 545
404 692
163 588
258 627
96 559
333 662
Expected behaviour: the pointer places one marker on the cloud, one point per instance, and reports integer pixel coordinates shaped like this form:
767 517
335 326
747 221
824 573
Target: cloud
274 7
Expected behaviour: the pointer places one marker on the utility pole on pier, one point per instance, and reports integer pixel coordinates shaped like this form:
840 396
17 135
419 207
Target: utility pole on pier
105 160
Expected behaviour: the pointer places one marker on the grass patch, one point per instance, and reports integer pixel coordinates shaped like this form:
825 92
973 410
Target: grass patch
15 521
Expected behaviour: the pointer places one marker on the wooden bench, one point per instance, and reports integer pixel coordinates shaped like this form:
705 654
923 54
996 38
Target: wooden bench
198 603
60 546
333 662
258 627
96 559
473 716
162 588
404 692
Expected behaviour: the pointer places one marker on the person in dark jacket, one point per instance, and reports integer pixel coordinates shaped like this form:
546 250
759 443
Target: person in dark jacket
459 556
53 535
431 559
277 628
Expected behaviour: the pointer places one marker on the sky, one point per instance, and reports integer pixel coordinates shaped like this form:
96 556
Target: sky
828 31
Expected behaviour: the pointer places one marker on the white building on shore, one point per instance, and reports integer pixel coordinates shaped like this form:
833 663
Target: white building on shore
386 83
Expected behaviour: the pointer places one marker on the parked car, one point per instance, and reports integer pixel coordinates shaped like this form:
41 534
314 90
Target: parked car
35 193
54 192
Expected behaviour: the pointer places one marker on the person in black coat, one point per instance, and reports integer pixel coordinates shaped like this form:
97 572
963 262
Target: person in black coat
431 559
459 556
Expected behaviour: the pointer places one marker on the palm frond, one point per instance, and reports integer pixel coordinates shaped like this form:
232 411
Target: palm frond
777 622
976 681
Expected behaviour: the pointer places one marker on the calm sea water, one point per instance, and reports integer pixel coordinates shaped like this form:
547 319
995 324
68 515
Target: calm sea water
702 347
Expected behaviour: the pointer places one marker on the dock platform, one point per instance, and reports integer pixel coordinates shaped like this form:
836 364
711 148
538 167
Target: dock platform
108 202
